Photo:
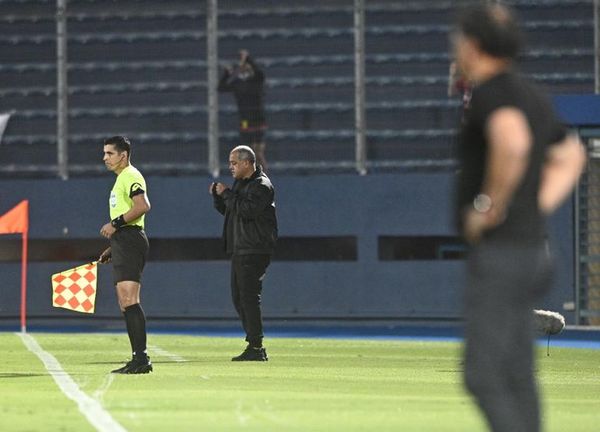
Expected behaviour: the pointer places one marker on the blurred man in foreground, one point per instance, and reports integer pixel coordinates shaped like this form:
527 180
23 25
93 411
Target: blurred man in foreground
518 165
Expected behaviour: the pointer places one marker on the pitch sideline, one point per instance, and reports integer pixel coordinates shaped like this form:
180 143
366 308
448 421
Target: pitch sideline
164 353
92 410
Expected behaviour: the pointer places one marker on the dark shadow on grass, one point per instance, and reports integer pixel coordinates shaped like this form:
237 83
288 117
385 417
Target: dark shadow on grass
153 362
19 375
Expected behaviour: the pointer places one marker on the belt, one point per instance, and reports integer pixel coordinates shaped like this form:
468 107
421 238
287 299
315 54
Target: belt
135 227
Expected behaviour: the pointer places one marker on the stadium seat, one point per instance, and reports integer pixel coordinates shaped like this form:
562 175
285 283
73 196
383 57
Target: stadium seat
143 73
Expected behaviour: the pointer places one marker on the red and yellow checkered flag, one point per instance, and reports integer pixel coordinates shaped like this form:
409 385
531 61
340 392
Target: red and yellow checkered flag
75 289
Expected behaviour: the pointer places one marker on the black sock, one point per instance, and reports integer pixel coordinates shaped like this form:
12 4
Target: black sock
129 332
136 321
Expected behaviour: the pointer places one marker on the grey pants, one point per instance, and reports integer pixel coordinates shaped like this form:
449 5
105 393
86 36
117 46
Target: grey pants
504 280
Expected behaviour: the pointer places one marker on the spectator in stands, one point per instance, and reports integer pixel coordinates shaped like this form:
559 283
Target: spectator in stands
249 235
518 165
246 80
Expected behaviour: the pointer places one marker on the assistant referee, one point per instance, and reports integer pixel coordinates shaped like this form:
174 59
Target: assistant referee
128 249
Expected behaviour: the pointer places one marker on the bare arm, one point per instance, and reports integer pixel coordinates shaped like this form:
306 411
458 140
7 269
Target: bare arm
564 163
510 141
141 206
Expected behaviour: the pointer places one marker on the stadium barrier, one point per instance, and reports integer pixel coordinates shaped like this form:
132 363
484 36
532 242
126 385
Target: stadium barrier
380 247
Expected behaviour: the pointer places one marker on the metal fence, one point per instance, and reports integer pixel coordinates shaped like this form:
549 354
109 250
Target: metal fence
587 297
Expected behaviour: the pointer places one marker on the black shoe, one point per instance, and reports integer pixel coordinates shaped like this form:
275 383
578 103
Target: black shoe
136 366
122 369
252 354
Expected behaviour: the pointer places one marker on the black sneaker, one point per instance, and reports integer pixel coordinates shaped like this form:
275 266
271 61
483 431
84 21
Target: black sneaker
252 354
136 366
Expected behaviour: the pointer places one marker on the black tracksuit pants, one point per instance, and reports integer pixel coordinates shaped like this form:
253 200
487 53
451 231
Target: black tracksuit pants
247 273
504 280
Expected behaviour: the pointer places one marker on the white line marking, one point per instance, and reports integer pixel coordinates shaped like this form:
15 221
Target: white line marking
163 353
100 392
266 410
242 417
100 419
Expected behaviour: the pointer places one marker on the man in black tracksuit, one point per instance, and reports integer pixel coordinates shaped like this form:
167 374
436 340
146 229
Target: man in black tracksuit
249 234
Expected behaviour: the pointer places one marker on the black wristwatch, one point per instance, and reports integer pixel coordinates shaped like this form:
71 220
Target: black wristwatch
118 222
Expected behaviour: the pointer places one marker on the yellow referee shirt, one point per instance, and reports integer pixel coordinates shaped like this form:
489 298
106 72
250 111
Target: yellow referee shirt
129 183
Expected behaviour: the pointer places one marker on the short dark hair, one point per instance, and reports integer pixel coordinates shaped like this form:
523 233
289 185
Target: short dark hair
495 28
120 142
245 153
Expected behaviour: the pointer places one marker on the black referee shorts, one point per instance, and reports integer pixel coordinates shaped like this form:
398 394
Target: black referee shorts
129 246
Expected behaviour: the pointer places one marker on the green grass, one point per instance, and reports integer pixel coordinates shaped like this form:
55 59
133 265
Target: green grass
308 385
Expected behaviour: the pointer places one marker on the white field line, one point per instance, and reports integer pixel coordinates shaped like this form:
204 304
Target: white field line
92 410
101 391
242 417
164 353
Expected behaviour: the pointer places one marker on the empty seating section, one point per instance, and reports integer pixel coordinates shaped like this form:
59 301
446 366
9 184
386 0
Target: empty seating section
139 68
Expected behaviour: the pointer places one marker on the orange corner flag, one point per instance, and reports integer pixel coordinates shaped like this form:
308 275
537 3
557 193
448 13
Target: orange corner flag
75 289
15 220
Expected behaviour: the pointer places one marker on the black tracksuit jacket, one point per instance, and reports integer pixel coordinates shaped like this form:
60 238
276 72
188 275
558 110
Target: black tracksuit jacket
250 225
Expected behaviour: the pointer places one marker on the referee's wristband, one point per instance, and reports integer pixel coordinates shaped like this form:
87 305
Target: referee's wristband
118 222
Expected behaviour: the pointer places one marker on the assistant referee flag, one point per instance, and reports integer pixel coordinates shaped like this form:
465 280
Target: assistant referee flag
75 289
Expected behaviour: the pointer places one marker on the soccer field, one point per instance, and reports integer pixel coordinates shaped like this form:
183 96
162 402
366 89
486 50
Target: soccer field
308 385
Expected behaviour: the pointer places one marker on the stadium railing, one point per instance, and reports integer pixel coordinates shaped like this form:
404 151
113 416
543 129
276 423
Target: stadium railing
282 33
331 70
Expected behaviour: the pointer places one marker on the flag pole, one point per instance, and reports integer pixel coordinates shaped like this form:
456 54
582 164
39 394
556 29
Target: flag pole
15 221
24 284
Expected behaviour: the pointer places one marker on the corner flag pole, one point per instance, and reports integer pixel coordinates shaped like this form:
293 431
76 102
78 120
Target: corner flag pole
16 221
24 284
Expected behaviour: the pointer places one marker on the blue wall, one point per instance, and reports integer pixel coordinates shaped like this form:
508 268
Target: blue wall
322 205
